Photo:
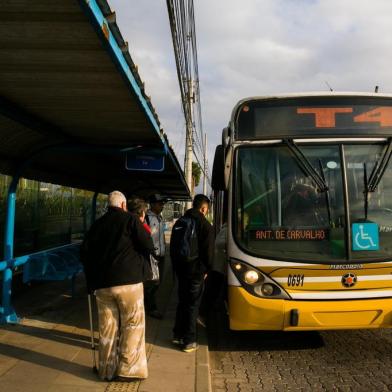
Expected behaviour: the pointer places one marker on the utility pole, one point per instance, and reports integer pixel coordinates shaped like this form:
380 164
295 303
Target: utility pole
182 26
189 142
205 165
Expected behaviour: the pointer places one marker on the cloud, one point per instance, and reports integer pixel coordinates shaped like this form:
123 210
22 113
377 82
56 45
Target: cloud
259 47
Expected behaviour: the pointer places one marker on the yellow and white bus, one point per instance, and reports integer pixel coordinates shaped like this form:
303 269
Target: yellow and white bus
303 193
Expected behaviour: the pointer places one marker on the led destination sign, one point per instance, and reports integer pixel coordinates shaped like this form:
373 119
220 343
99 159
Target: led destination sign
314 116
289 234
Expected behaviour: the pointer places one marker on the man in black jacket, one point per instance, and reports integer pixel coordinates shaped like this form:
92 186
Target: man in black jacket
114 265
191 275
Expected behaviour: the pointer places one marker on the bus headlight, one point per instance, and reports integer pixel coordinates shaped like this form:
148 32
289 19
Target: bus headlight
255 282
267 289
237 266
251 277
247 274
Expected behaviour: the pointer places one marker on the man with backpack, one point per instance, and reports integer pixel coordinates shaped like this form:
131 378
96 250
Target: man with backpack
191 251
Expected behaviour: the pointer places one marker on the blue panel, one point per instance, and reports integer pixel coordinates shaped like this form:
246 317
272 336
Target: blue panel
365 236
144 162
54 264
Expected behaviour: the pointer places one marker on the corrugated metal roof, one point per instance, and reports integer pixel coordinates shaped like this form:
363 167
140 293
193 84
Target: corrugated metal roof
71 98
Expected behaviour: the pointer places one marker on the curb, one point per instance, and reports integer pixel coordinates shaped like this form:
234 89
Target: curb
203 374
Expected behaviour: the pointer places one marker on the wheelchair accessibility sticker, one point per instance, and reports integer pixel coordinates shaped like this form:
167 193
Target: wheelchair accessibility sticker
365 236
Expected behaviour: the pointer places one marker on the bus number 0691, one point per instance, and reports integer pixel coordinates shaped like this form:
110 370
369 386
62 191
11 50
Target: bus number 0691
295 280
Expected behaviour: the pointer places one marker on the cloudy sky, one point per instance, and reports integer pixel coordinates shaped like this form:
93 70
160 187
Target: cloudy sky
259 47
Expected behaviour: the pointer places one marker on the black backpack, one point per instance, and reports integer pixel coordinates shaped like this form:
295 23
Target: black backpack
184 245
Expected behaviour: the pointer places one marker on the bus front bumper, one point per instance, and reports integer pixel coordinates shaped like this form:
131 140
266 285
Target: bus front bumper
247 312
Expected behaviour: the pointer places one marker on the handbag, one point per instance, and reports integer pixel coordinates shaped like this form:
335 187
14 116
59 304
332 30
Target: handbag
152 273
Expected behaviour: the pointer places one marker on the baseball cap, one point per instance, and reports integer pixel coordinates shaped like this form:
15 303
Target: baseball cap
156 198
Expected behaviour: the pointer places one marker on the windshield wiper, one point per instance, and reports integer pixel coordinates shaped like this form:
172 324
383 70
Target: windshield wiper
309 170
327 199
379 168
306 166
366 190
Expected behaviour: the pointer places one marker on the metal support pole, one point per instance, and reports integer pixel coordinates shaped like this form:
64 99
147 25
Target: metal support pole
188 163
205 166
90 313
7 313
189 143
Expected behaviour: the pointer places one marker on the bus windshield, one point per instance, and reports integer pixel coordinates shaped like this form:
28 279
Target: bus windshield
280 211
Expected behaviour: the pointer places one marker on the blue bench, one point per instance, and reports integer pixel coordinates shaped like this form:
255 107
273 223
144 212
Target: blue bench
61 263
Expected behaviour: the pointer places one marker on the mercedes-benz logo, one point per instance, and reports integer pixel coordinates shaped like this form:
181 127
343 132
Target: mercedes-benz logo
349 280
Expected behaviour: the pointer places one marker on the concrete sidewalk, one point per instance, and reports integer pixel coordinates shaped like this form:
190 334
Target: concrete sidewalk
50 349
171 369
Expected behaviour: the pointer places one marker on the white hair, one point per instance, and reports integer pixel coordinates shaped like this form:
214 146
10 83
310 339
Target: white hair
116 198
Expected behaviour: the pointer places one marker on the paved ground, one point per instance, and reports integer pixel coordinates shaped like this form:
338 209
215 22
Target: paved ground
358 360
50 349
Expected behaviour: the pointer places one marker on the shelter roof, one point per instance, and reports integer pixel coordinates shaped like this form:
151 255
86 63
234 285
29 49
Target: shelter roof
72 102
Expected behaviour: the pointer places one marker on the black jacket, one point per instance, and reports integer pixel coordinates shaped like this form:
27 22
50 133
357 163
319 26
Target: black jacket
206 243
112 252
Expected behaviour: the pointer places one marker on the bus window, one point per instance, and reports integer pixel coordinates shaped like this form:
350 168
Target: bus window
279 211
379 201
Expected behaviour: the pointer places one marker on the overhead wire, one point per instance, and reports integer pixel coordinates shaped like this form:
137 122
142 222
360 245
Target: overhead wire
182 24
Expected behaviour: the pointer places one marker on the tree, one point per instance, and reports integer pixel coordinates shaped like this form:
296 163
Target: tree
196 174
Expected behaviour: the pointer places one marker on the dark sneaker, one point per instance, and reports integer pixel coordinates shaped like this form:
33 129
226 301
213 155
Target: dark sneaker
177 341
155 314
190 347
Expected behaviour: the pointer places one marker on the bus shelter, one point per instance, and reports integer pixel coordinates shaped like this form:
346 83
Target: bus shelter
74 112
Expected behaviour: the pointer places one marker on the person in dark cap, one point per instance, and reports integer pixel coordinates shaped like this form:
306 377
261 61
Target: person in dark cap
155 221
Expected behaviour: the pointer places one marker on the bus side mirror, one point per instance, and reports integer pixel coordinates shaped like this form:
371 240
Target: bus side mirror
227 167
218 170
226 136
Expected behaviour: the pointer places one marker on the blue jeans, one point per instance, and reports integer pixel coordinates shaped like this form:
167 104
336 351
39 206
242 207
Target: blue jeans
190 291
